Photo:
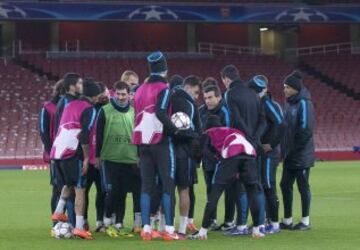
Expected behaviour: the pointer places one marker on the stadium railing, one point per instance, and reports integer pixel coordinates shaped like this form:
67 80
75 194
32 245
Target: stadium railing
123 54
227 49
337 48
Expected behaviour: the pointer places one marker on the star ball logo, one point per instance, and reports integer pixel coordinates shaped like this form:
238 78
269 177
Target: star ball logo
11 11
301 15
153 12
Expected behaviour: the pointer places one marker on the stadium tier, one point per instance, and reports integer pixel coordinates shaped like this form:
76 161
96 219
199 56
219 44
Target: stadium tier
23 92
341 68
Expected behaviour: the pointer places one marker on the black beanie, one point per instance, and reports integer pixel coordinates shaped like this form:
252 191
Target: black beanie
213 121
294 80
258 83
157 63
176 80
91 88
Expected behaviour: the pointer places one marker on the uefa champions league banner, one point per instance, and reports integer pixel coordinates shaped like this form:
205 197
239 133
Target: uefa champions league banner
179 13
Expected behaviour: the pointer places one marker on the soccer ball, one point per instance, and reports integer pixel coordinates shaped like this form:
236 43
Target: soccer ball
63 230
181 120
11 11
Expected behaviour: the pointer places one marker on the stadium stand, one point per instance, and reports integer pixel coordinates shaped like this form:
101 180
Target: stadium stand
344 70
23 92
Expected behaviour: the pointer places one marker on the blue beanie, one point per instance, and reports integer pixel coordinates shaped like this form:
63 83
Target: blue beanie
157 63
258 83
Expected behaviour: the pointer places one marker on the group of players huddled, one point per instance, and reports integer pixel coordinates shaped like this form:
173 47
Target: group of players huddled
124 140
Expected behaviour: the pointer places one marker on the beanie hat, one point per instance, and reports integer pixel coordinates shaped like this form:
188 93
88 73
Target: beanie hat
294 80
71 78
258 83
91 88
157 63
176 80
213 121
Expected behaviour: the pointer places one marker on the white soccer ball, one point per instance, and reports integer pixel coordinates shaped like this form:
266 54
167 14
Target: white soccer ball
63 230
181 120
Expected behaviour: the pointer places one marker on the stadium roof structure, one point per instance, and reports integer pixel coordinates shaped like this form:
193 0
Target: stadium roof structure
220 12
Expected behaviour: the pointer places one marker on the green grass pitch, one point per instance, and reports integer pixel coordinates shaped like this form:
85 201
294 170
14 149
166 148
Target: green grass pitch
335 216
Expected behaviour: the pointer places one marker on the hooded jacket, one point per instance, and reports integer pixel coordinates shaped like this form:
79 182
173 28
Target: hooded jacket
274 122
297 146
246 112
221 110
209 159
181 101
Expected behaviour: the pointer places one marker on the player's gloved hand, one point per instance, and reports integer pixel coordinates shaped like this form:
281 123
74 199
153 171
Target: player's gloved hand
85 166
